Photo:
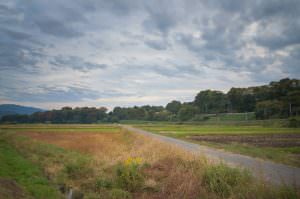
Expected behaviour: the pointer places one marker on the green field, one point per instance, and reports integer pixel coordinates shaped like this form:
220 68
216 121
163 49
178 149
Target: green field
284 152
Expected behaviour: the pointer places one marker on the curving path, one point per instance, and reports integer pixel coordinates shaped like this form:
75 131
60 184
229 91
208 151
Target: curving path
274 172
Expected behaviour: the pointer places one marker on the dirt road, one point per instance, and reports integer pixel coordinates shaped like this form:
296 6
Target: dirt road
274 172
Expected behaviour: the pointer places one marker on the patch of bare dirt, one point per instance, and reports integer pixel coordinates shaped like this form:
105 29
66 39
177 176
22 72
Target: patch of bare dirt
9 189
273 140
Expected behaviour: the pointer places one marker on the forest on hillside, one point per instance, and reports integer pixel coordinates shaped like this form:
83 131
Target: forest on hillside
276 100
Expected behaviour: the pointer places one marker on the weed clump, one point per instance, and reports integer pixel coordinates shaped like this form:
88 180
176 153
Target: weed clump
129 174
224 181
104 183
77 168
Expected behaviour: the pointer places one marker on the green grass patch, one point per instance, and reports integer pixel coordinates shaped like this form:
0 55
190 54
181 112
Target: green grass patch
225 181
232 117
24 172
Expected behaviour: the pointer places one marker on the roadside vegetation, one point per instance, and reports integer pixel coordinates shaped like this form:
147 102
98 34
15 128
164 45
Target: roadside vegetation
120 164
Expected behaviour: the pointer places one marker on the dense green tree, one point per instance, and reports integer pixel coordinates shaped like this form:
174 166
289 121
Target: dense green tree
268 109
210 101
174 106
187 112
240 100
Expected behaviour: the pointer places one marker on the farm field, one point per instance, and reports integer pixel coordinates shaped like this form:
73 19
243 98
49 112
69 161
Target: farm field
104 161
277 144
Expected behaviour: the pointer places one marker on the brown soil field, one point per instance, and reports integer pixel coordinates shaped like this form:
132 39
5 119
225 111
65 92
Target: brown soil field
275 140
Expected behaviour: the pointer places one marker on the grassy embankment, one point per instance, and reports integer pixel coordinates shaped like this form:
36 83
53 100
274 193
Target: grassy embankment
118 164
284 151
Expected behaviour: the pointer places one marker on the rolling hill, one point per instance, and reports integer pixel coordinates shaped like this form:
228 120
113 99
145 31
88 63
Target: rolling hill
10 109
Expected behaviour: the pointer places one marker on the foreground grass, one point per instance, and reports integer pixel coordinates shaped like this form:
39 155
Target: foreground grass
16 168
125 165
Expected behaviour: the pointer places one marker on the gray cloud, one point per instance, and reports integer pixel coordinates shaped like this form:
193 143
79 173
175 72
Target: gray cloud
285 33
157 45
56 28
162 16
76 63
292 62
143 46
54 94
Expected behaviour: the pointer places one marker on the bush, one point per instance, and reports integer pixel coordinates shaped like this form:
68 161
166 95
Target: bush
129 175
224 180
294 123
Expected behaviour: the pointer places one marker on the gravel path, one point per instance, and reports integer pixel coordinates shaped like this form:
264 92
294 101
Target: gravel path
274 172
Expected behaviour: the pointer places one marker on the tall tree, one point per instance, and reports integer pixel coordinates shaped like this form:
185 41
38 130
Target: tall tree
173 106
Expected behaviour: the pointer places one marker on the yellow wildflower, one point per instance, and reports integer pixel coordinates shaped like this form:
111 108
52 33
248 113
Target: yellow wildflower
130 161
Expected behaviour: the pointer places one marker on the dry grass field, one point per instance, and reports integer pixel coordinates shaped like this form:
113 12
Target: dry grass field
119 164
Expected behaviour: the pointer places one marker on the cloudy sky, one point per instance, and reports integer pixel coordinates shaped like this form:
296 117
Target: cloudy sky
133 52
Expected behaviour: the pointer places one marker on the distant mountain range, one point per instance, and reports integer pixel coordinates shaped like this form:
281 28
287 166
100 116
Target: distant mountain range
11 109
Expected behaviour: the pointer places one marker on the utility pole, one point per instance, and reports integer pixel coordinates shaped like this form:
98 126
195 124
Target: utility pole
290 109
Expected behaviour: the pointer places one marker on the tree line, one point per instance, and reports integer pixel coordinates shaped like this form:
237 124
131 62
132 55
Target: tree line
276 100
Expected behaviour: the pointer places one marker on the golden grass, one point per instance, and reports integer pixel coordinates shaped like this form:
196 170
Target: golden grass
113 147
172 172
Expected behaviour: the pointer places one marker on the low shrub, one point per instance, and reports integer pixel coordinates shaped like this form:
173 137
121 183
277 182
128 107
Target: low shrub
293 123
